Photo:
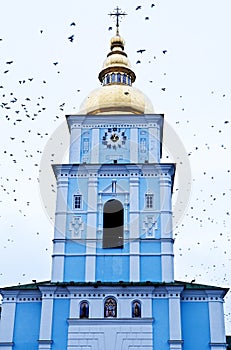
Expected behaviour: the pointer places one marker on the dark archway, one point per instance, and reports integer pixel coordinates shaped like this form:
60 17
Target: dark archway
113 224
84 309
136 308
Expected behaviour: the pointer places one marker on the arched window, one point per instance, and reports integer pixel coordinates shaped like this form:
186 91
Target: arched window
113 224
113 77
84 309
110 308
136 308
119 78
124 78
108 79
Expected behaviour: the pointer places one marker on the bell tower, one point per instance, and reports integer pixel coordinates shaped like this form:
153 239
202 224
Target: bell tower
112 283
114 211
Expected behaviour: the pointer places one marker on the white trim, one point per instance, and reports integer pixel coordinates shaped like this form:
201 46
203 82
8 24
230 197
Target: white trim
75 145
90 267
134 230
95 146
45 332
134 144
216 321
167 261
59 230
7 320
154 145
175 341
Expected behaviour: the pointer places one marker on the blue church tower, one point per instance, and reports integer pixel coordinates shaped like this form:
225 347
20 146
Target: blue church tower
112 285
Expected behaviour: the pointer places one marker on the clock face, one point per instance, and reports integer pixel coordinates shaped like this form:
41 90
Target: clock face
114 138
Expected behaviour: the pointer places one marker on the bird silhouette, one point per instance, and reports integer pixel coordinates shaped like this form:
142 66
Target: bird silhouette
71 38
141 51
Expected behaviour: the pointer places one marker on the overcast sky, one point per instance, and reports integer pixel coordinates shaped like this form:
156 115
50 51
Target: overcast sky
44 74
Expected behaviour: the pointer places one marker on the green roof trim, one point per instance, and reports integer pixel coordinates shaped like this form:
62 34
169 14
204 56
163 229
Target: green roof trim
186 285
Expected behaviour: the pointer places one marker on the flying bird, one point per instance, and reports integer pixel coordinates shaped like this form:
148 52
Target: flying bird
138 8
73 24
71 38
140 51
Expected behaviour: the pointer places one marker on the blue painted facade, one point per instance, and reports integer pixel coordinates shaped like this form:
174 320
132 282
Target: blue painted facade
112 283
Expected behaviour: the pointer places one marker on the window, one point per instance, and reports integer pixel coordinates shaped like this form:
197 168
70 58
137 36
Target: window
136 309
113 77
124 78
113 184
110 308
77 203
113 222
108 79
149 201
119 78
84 309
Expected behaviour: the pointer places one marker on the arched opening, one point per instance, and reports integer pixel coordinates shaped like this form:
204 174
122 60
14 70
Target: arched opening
110 308
84 309
136 309
113 224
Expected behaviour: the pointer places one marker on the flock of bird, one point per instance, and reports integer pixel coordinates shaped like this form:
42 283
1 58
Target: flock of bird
27 121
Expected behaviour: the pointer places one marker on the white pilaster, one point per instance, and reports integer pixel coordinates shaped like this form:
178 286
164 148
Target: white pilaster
95 146
7 320
74 305
175 335
91 229
167 260
134 230
154 145
75 144
45 333
167 257
60 230
134 146
216 321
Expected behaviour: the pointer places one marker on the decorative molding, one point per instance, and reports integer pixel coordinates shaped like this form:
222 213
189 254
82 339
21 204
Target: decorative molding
45 341
219 344
76 226
111 321
176 341
149 226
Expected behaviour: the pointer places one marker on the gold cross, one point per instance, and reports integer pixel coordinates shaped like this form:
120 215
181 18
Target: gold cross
117 13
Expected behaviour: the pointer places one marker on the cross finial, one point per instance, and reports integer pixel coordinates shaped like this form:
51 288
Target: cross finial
117 13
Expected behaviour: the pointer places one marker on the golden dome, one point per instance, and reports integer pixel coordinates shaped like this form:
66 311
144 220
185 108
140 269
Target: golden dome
116 99
117 95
